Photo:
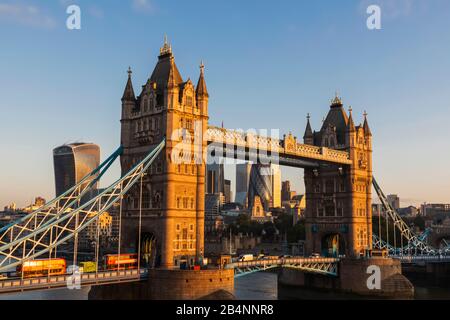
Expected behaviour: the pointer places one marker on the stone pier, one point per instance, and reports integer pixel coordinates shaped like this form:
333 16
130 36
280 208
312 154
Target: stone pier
166 284
352 279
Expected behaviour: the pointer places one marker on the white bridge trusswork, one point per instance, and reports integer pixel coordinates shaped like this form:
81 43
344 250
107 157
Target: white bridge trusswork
286 148
325 266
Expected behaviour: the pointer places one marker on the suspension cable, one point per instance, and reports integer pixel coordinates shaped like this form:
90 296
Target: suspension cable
120 227
395 239
379 227
97 244
387 232
140 223
401 243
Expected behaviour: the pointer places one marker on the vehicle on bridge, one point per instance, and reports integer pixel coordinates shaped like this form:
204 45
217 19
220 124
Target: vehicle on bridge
315 255
122 261
88 266
246 257
42 268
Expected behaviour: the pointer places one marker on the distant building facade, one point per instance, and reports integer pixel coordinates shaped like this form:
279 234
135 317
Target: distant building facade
286 192
215 178
260 186
275 175
72 162
394 201
242 182
227 191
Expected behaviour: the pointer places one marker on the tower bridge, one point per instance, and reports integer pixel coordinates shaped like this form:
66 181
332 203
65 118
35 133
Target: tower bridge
160 196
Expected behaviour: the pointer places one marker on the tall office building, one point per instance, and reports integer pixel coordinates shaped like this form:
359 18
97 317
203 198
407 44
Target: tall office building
276 185
72 162
215 178
394 201
260 186
227 191
265 182
242 182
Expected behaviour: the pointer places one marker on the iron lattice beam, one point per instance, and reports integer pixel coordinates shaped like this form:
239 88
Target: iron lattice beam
325 266
60 228
413 240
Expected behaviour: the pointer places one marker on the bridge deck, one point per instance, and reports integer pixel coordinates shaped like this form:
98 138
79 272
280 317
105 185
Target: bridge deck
61 281
288 150
327 266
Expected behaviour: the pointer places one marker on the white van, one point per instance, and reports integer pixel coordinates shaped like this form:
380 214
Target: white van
246 257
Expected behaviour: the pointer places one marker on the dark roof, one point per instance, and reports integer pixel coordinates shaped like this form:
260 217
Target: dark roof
366 127
201 90
308 131
164 69
128 93
351 124
338 119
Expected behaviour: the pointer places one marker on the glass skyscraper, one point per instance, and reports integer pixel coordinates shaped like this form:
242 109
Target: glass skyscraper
72 162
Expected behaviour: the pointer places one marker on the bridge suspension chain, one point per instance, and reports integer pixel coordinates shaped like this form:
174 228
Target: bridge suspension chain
60 205
61 227
414 241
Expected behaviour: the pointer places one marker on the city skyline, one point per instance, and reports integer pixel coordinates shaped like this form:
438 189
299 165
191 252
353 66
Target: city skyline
372 70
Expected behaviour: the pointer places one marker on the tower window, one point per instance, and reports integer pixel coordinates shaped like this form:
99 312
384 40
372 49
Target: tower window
189 101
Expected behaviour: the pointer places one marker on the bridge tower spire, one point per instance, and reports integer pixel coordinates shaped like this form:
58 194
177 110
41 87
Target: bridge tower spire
201 92
128 104
308 137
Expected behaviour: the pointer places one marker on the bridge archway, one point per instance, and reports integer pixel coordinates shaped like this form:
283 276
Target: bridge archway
150 250
332 245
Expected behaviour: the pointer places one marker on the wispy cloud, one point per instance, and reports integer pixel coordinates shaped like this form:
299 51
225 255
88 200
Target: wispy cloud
23 14
143 6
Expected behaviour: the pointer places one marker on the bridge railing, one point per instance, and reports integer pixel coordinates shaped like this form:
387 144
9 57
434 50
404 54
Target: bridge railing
109 276
288 146
255 263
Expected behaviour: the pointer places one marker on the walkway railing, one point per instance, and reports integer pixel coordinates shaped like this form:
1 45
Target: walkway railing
327 266
66 281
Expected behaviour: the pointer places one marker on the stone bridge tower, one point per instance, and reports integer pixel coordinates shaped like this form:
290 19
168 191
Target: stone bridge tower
172 225
338 198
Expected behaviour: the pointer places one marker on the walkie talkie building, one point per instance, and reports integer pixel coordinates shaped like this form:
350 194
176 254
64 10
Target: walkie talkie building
72 162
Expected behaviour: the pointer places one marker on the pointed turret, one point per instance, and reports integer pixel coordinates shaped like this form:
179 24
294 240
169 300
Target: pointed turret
128 93
171 80
350 124
366 128
166 73
201 90
336 102
308 137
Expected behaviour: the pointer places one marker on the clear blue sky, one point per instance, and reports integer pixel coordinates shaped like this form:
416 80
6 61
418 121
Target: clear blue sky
268 63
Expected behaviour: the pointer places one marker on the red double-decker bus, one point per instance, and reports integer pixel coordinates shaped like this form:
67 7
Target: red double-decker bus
42 268
122 262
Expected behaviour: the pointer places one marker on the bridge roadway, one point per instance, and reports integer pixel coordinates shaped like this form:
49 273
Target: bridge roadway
422 258
319 265
61 281
326 266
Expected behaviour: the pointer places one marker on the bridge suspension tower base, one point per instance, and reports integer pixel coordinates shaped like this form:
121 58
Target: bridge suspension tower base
172 284
355 277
